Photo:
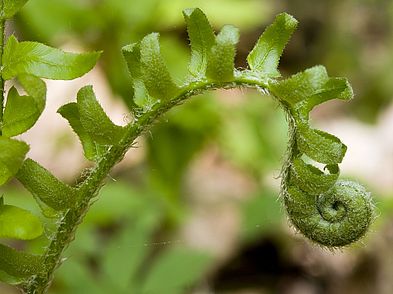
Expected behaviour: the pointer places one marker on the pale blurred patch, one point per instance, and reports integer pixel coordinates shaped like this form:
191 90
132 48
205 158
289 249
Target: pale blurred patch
215 191
370 149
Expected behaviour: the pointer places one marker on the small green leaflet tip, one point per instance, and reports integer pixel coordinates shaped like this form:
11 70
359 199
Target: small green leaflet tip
265 56
188 11
289 21
129 47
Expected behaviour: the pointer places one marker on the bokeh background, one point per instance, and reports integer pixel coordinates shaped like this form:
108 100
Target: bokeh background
193 208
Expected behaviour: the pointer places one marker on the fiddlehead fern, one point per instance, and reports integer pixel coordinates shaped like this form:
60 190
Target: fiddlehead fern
329 211
334 218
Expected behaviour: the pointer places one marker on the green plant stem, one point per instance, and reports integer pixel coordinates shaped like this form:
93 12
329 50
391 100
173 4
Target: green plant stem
289 153
90 187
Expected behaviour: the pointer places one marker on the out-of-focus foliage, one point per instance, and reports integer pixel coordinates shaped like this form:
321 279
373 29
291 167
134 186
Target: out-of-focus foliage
127 263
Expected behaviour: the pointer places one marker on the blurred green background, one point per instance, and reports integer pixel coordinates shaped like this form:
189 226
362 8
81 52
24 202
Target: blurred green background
194 207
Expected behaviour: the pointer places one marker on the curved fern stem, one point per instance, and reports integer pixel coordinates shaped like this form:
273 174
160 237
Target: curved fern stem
307 219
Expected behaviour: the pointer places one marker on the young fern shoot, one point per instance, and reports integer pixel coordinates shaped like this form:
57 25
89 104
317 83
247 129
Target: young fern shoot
330 212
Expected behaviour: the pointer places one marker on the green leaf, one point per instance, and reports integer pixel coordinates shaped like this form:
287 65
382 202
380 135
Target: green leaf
175 271
301 86
12 154
221 64
311 179
302 92
338 88
43 61
320 146
11 7
17 263
155 73
20 114
95 121
309 88
132 56
34 87
202 39
46 187
92 150
18 223
266 54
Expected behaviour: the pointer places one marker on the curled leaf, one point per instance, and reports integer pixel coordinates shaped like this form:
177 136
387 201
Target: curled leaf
19 264
95 121
335 218
45 186
320 146
311 179
309 88
92 150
